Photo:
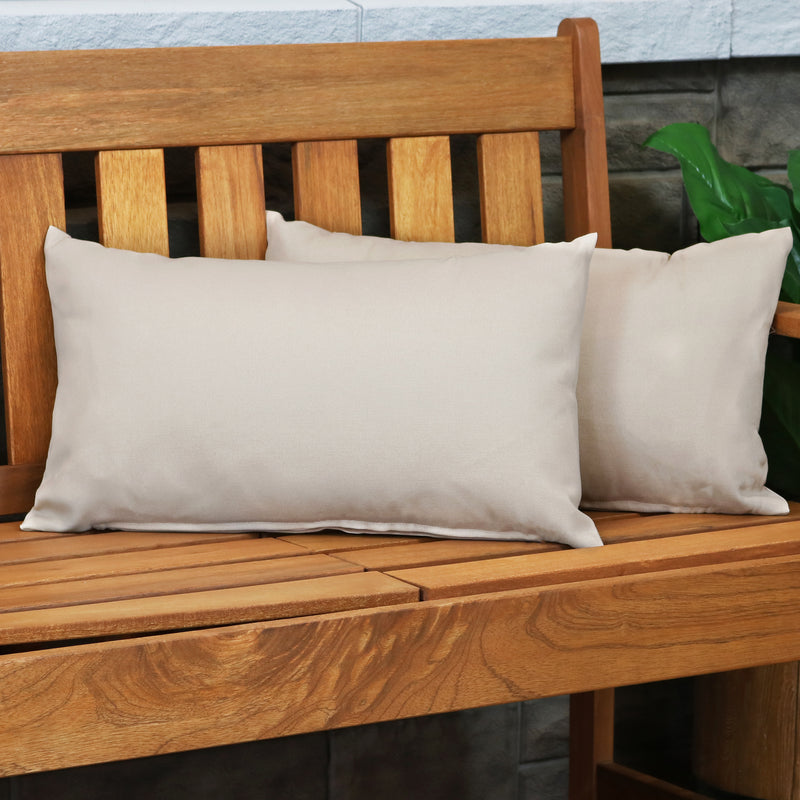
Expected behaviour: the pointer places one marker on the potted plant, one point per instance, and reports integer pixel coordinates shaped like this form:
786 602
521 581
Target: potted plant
727 200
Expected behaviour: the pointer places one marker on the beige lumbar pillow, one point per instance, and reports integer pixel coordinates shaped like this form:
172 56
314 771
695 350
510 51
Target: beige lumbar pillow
428 396
672 364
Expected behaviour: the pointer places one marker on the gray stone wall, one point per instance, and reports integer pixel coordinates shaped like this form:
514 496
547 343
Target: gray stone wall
519 751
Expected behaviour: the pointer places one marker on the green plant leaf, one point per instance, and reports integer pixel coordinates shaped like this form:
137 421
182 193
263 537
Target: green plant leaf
728 199
721 194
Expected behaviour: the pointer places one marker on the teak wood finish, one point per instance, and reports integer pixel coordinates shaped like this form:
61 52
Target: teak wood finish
117 645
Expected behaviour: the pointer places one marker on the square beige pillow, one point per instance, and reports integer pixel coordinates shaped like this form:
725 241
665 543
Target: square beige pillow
672 363
432 397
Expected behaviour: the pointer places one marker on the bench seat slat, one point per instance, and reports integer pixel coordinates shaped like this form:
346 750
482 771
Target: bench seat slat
654 526
132 200
641 557
169 581
296 598
203 688
327 190
440 552
10 532
96 544
145 560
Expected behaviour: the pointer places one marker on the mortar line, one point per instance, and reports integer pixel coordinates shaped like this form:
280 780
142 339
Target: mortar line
360 25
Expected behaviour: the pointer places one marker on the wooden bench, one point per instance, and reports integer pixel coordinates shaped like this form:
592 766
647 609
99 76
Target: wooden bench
116 645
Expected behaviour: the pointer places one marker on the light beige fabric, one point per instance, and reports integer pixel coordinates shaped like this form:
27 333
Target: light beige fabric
672 363
433 397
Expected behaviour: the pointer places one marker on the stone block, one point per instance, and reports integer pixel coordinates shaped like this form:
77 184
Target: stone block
660 77
649 210
544 780
394 20
553 198
550 152
93 24
631 118
765 27
630 30
294 767
469 755
759 116
545 729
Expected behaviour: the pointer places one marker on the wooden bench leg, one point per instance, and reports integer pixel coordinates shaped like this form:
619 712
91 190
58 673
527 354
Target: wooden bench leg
591 740
593 775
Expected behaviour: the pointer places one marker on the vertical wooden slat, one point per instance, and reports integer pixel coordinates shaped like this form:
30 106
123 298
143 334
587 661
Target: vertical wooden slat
583 149
31 199
591 740
132 200
326 185
510 173
230 201
421 189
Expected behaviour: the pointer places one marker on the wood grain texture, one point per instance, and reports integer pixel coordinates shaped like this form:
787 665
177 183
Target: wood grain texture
132 200
162 97
18 486
787 320
510 175
583 149
746 727
616 782
31 199
327 192
591 740
646 556
11 532
435 552
230 202
134 561
167 582
97 544
420 189
148 614
615 530
196 689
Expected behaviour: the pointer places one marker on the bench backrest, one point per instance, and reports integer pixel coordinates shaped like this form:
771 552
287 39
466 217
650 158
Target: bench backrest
127 106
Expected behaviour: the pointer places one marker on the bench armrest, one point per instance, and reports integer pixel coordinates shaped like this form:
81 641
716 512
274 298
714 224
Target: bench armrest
787 320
